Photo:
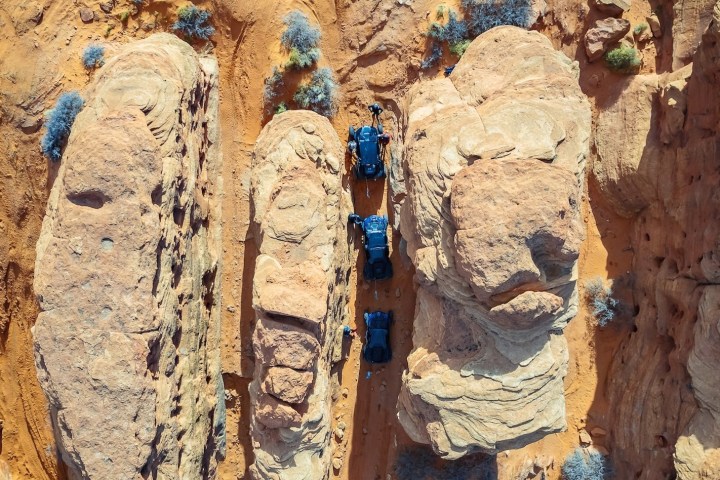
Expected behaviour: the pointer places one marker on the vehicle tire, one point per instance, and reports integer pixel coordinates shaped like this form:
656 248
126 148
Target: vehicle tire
380 128
351 132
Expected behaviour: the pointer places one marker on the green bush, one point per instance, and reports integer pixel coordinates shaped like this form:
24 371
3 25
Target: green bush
640 28
459 48
319 94
585 465
299 60
623 59
281 108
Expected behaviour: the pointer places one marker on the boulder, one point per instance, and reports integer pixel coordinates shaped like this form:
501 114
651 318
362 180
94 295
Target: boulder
287 384
278 343
612 7
492 223
87 15
127 338
603 35
627 146
299 293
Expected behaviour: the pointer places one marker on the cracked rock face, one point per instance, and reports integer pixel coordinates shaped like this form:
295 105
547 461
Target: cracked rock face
127 341
299 293
494 167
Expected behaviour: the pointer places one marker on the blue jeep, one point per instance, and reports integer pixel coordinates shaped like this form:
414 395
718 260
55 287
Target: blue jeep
377 252
377 337
367 147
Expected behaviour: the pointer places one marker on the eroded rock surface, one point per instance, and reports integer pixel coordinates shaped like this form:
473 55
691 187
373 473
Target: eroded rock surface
494 166
127 341
299 293
671 352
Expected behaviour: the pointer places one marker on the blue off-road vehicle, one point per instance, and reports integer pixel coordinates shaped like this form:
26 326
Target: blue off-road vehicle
367 147
375 241
377 337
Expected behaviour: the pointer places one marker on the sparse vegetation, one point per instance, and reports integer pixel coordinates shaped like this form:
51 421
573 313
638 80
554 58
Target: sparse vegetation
192 22
482 15
123 16
420 463
585 465
458 49
640 28
440 12
93 56
479 16
599 297
454 32
301 39
299 60
623 59
273 89
281 108
433 57
59 122
273 85
318 95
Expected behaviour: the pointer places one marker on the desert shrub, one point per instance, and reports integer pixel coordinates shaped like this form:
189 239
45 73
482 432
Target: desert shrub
192 23
482 15
123 16
459 48
433 57
640 28
281 108
599 297
273 85
58 124
319 94
301 39
454 32
299 60
93 56
440 12
584 465
623 59
420 463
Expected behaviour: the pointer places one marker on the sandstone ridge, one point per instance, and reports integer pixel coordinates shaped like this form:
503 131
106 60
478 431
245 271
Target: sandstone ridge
299 293
127 341
494 166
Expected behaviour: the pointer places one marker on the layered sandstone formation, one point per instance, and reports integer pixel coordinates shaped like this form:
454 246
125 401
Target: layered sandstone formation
299 292
658 163
127 341
494 167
